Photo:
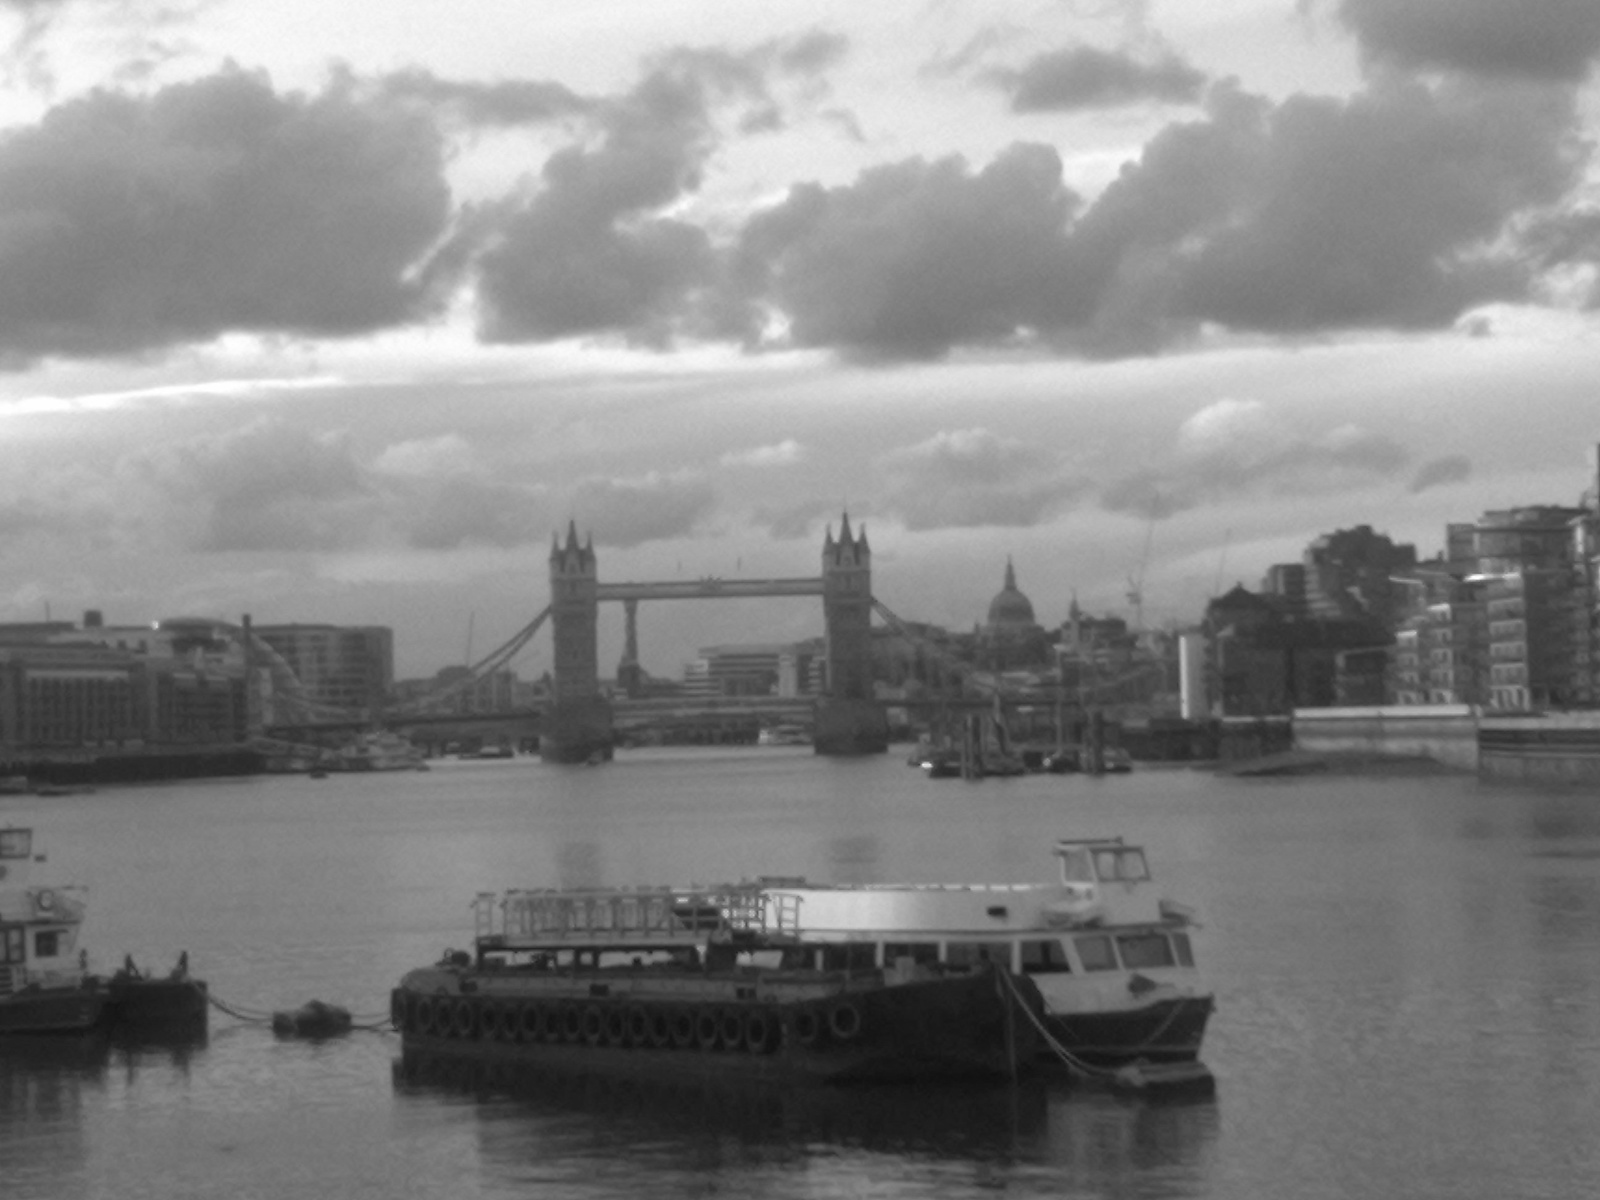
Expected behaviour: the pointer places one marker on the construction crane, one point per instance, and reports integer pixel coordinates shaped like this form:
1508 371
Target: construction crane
1222 562
1136 581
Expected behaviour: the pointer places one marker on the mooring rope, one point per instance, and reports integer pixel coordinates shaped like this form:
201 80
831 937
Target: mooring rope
372 1022
1072 1061
238 1013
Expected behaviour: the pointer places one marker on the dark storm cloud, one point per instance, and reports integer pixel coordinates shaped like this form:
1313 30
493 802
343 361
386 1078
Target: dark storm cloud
1240 448
590 251
272 486
1084 77
656 507
266 486
1324 214
794 521
1453 468
810 53
1569 238
439 494
1382 210
462 511
586 253
130 223
1534 39
912 258
972 477
22 516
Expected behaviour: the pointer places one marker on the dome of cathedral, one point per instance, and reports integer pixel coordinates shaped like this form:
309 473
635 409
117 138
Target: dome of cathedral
1010 609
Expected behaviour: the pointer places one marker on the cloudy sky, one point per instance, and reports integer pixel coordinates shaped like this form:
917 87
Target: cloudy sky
333 312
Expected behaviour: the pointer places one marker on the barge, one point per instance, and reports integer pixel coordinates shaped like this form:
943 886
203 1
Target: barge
712 981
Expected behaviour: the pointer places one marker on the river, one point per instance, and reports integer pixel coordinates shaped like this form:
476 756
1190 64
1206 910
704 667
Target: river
1407 972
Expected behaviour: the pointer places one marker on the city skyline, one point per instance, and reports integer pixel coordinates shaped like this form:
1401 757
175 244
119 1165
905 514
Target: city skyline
343 328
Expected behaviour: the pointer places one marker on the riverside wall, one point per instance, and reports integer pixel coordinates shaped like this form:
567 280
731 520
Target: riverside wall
1445 733
1541 748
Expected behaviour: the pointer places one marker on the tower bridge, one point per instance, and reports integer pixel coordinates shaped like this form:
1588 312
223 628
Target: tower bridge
579 722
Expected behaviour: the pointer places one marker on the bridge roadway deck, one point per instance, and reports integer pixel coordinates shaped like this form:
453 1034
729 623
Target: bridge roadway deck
709 588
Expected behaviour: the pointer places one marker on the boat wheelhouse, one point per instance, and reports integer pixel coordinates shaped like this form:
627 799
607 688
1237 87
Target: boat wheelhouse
702 980
45 986
1112 958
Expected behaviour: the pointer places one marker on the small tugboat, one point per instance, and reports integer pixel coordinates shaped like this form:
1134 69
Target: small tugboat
45 982
1112 959
704 980
45 985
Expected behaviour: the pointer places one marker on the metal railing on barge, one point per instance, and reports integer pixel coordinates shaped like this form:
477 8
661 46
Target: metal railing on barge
534 918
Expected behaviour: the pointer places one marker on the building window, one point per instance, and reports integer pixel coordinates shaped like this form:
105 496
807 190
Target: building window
46 944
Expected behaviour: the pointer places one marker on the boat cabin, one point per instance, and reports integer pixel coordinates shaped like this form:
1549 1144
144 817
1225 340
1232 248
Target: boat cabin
38 923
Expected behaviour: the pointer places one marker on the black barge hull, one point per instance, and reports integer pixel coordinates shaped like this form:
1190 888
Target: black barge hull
954 1028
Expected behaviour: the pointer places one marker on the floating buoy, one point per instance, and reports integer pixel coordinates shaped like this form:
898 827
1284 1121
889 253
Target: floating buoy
314 1019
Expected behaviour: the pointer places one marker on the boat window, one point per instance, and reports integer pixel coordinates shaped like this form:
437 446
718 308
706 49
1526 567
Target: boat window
46 944
918 952
1180 943
967 954
1076 867
1044 957
799 958
11 944
1144 950
16 843
1131 865
849 956
1127 865
1094 951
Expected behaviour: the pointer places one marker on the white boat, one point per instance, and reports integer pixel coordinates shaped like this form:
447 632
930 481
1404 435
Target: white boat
785 734
1112 958
377 751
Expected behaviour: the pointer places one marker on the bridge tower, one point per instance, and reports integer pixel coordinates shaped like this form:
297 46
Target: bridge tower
848 719
630 674
578 723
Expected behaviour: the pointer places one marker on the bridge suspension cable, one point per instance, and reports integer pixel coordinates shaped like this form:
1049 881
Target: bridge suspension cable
494 661
984 681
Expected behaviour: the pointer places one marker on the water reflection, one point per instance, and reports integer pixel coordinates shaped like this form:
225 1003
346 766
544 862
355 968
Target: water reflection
46 1085
579 865
533 1122
855 858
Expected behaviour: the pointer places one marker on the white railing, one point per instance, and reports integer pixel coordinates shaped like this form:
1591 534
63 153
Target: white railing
612 914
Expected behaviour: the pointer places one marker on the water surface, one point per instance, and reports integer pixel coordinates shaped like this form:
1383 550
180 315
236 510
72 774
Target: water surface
1407 972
